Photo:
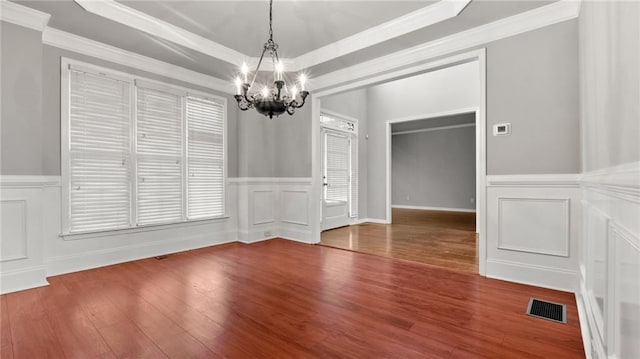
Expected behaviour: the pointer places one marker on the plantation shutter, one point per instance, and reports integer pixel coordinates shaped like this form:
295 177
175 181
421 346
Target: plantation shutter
99 153
337 167
205 157
159 156
353 177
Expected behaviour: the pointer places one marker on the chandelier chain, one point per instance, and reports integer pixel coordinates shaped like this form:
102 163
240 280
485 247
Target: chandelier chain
271 20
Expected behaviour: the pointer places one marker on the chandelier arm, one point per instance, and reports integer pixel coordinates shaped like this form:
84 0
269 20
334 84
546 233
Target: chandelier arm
255 74
291 110
303 95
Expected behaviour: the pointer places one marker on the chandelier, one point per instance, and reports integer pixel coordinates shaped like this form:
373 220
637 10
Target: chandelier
274 100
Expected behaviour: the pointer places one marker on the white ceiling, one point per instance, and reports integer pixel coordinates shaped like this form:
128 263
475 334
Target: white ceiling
213 37
299 26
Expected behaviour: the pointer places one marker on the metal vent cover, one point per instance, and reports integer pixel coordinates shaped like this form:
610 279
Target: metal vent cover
547 310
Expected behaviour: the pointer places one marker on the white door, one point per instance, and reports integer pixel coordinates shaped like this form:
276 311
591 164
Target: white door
338 178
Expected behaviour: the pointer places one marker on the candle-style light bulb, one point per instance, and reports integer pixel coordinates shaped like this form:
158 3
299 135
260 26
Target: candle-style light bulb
265 92
245 71
302 80
279 70
238 85
294 92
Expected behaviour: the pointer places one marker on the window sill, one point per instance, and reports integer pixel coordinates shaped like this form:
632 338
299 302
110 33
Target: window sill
331 203
141 228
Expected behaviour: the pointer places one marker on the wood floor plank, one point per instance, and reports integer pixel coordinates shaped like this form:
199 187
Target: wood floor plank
32 335
128 341
6 348
287 300
445 239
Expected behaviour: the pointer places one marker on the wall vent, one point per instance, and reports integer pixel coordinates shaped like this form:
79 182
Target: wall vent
547 310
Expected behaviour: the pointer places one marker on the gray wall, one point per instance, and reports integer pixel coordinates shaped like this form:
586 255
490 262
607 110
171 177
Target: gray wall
434 168
532 82
354 104
51 106
278 147
610 84
21 127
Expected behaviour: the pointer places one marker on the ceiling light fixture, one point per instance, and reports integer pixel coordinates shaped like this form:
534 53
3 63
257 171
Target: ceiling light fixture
274 100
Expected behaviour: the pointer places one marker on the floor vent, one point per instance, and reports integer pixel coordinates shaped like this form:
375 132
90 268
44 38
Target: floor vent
547 310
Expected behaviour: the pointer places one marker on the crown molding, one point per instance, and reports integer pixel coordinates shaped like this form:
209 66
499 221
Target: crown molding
429 15
139 20
23 16
75 43
554 13
421 18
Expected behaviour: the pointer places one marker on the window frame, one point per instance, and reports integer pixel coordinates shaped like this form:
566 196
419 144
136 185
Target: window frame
66 64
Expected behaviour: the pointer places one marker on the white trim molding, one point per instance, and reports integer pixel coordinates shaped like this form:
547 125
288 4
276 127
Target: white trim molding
431 14
622 180
530 274
139 20
428 208
23 16
426 16
82 45
430 129
23 181
610 259
553 13
533 229
270 207
421 18
562 224
23 241
541 180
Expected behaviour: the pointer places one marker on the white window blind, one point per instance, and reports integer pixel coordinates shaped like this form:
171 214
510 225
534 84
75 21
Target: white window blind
205 157
353 177
159 156
98 153
337 167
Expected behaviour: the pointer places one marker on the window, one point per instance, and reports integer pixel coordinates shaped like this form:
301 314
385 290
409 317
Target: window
138 152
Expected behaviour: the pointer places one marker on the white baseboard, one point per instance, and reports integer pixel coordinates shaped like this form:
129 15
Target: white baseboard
373 220
296 234
540 276
584 326
427 208
256 235
105 257
24 278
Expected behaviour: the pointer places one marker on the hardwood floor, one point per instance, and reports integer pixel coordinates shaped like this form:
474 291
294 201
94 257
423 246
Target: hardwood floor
444 239
281 299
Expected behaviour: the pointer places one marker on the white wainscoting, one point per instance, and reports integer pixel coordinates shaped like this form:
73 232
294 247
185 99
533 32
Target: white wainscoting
32 248
610 262
533 229
22 238
273 207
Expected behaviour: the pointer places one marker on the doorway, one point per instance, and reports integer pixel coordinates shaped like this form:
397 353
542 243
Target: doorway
339 170
375 217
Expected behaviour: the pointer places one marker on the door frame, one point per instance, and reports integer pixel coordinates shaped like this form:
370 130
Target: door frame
393 73
349 135
481 175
